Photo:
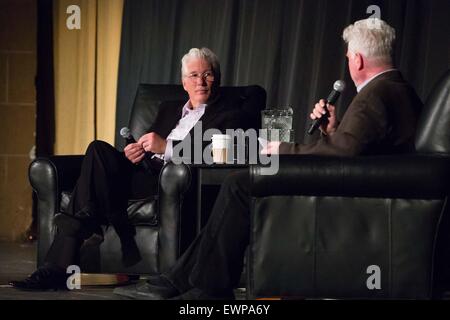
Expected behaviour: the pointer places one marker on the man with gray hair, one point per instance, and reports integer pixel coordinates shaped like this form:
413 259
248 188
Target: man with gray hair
109 178
383 115
381 119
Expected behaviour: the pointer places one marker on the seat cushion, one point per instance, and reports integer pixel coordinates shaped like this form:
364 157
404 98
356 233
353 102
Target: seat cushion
141 212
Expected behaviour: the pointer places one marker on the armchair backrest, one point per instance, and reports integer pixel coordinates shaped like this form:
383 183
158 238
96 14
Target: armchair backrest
433 131
149 98
147 102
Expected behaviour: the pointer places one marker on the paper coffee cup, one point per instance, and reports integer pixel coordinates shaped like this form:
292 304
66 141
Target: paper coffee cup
221 147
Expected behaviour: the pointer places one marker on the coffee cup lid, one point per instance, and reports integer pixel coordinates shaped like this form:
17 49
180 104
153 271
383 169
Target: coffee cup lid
221 136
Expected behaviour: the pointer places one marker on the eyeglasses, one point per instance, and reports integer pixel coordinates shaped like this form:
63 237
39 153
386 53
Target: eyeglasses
208 76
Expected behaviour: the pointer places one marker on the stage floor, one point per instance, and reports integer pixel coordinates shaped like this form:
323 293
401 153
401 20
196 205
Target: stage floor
19 260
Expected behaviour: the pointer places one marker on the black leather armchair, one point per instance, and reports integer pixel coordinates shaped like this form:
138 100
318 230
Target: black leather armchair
327 227
165 223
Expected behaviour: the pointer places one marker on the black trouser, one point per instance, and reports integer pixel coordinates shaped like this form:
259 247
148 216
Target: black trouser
107 180
214 261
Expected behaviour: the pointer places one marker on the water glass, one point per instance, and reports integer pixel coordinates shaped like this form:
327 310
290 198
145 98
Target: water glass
277 124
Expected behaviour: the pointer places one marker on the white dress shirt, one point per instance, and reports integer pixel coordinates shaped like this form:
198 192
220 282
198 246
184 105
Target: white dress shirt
189 118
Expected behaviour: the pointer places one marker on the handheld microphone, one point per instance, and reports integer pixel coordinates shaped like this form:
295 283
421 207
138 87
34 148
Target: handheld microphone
125 132
338 87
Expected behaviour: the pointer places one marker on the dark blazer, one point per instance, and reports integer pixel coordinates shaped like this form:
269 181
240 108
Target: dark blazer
226 111
381 119
219 114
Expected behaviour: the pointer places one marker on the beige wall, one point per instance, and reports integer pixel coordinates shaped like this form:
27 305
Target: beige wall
18 24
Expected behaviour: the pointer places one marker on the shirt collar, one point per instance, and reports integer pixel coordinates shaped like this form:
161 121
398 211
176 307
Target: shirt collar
187 108
365 83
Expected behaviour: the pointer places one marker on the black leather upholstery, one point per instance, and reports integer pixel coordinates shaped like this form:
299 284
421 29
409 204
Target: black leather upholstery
146 104
433 135
165 223
406 176
141 212
321 222
50 177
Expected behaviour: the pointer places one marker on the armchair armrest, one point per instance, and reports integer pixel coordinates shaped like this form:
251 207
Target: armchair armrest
396 176
46 178
46 174
174 183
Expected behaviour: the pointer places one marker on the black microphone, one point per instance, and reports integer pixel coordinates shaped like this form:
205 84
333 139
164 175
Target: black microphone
125 132
338 87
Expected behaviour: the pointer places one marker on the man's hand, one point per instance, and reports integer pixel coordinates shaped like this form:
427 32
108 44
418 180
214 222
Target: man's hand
152 142
319 111
271 148
134 152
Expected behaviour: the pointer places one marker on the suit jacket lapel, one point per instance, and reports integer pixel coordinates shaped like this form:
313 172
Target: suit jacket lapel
211 112
171 114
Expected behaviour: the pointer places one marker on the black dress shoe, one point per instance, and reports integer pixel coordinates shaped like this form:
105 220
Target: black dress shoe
44 278
198 294
146 291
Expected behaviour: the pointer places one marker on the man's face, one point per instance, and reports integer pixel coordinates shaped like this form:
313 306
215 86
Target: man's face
199 81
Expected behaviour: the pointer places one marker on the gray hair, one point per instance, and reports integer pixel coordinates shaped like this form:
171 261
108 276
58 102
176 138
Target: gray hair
205 54
372 37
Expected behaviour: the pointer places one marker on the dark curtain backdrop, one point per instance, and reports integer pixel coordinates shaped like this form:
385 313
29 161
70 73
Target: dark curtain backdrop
292 48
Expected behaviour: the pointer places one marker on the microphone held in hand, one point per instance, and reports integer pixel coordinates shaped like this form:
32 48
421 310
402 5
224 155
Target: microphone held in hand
125 133
338 87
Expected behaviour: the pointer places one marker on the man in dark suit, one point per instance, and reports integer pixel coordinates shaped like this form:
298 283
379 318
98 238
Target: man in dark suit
381 119
109 177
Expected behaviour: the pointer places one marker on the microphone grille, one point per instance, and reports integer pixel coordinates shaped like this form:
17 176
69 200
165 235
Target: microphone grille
125 132
339 85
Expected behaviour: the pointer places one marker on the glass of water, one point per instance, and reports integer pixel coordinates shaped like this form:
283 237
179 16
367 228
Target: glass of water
277 124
